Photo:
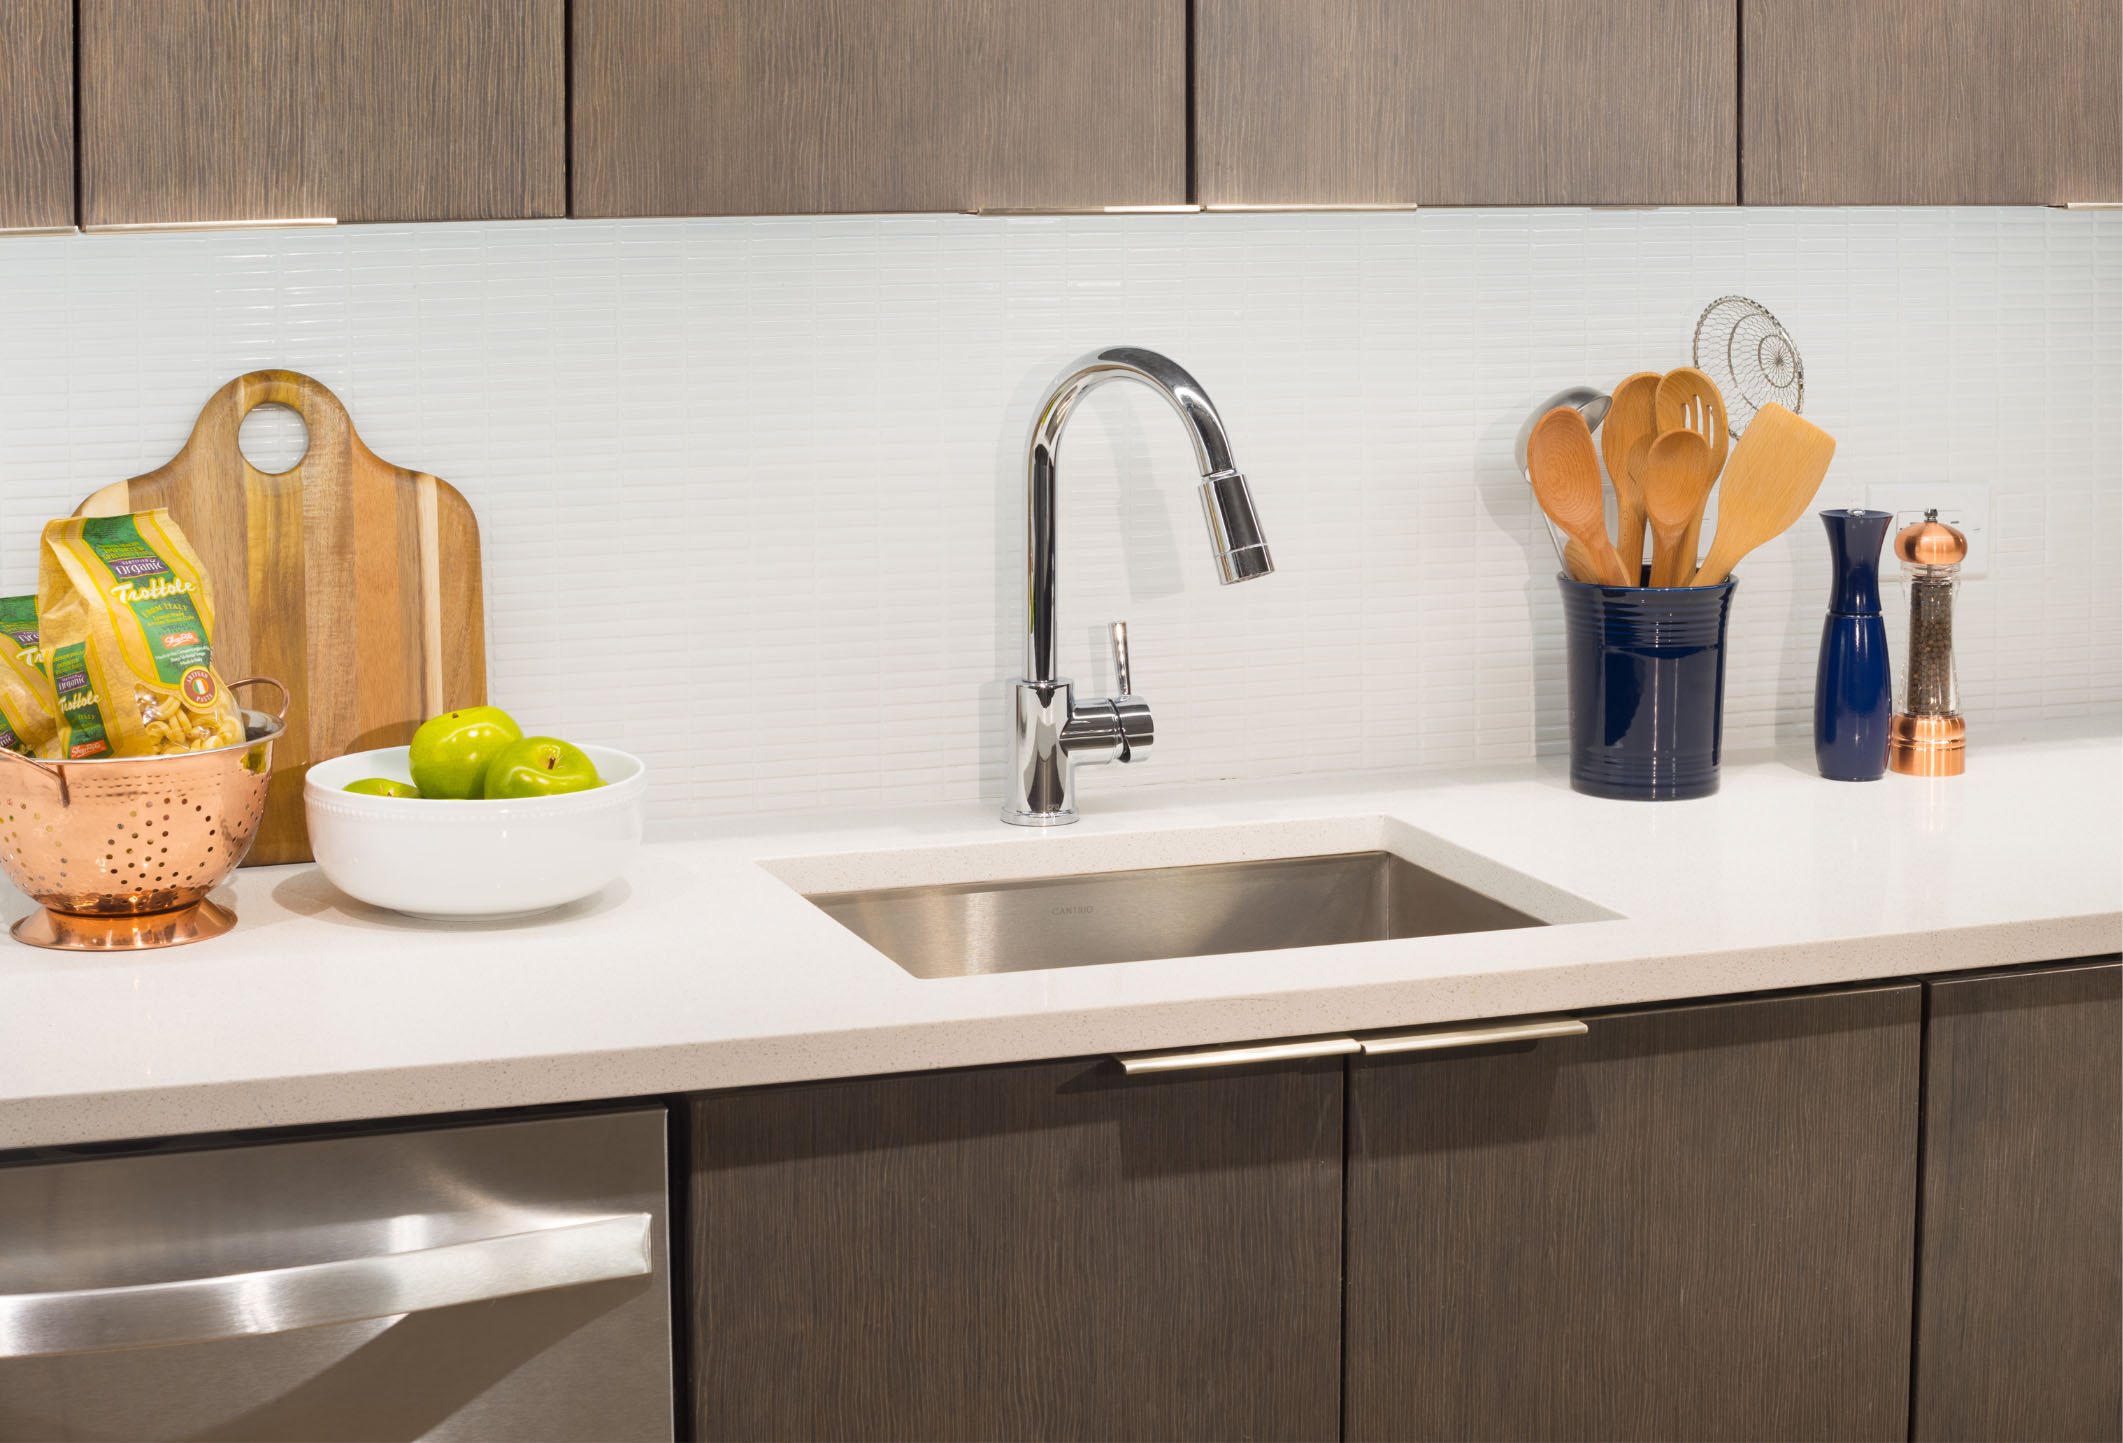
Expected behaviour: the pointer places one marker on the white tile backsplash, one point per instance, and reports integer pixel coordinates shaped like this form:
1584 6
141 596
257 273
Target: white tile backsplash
751 489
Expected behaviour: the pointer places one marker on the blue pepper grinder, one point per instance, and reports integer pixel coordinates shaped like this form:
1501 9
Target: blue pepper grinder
1853 694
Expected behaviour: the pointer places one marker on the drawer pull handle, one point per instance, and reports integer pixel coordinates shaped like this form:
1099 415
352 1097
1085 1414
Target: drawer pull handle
1194 1057
1438 1039
280 1300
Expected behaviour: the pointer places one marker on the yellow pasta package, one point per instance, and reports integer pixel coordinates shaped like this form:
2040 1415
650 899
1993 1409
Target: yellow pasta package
28 712
126 619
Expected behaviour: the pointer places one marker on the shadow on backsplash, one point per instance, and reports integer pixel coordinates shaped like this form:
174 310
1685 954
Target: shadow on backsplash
1508 502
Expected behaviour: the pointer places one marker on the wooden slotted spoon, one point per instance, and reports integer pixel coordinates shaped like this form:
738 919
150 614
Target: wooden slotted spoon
1770 481
1688 400
1566 481
1676 479
1631 420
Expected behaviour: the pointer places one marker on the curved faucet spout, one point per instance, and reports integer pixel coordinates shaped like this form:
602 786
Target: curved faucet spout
1184 394
1051 734
1227 503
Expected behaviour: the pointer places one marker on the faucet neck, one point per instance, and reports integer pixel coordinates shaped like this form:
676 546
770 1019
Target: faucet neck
1205 429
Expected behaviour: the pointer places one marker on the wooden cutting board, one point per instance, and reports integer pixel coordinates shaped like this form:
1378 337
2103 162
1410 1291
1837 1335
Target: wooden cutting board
354 581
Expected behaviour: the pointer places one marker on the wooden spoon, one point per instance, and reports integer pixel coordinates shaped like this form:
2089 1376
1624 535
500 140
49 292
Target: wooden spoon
1630 420
1688 400
1676 479
1770 481
1566 481
1578 562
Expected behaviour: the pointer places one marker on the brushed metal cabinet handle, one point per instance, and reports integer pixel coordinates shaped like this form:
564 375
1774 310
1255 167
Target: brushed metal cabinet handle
280 1300
1438 1039
1193 1057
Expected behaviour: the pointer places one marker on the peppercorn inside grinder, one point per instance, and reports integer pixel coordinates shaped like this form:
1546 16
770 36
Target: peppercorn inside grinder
1926 736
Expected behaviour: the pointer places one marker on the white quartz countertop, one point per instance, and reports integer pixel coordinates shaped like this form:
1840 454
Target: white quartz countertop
706 968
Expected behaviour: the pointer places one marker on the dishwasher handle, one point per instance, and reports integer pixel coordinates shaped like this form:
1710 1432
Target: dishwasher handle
280 1300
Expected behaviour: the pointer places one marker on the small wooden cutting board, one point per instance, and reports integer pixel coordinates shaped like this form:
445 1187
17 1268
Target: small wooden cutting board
354 581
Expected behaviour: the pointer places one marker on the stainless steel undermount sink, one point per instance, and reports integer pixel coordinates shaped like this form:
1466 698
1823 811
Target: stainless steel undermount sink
963 929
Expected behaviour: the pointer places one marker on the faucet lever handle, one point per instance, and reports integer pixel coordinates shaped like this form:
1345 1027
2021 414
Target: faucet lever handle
1137 730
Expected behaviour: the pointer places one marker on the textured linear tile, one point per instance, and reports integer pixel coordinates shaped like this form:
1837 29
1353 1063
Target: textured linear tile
762 478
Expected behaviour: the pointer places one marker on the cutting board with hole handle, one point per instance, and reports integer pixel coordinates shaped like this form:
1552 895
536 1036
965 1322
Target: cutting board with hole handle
353 580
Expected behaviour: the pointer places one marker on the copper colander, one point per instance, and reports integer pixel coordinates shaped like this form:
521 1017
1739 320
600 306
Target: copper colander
121 851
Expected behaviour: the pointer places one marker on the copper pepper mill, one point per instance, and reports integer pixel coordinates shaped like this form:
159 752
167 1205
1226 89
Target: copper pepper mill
1926 736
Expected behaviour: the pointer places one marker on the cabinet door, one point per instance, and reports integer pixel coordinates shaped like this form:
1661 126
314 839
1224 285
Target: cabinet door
1022 1252
761 107
1932 102
36 113
2020 1268
1466 102
1693 1222
364 110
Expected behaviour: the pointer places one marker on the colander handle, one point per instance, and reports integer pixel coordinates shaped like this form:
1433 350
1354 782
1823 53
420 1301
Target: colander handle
50 774
287 697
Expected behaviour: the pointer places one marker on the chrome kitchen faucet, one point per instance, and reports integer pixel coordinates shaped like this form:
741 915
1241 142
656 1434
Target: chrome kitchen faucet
1050 735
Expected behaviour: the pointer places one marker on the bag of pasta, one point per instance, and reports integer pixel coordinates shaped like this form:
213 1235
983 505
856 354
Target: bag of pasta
127 623
28 714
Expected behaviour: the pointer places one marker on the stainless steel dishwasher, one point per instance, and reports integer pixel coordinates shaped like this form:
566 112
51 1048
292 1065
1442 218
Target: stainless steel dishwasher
502 1280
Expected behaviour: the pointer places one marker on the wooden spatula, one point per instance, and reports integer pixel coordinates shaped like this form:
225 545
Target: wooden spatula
1676 479
1688 400
1566 481
1770 480
1630 420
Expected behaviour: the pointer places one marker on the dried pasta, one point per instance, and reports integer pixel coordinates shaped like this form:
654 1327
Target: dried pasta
28 710
126 618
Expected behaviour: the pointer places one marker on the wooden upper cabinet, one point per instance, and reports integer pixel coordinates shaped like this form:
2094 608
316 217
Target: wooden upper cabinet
363 110
1932 102
764 107
36 113
1465 102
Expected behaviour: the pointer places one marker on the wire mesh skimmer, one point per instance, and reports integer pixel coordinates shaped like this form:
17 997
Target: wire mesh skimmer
1750 356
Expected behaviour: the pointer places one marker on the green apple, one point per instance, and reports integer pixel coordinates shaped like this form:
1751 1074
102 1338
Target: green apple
450 752
540 767
381 787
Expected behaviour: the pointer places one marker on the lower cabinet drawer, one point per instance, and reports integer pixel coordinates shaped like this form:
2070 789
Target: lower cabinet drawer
1050 1251
2020 1305
1691 1222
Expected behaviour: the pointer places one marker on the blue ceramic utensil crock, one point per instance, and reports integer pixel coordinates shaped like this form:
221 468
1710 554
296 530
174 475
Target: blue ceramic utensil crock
1852 694
1647 688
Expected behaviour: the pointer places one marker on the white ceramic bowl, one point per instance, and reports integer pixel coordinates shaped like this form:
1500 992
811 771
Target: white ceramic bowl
471 859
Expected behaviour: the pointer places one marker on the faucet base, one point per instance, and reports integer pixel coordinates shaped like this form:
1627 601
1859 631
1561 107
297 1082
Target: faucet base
1039 790
1039 819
